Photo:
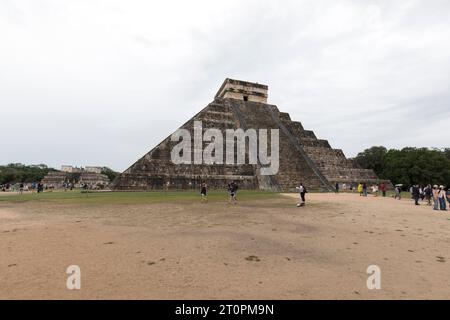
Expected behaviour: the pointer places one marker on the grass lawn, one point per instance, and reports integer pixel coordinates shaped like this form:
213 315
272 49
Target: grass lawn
131 197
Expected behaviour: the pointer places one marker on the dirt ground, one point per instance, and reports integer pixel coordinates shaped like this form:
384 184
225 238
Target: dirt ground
255 250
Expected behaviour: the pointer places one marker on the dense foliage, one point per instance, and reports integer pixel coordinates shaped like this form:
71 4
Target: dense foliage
110 173
408 166
17 172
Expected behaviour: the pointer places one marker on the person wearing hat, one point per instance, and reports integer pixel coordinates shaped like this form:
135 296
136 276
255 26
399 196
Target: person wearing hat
442 198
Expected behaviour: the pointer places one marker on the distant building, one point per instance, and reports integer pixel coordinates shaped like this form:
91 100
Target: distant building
72 169
90 175
66 168
93 169
242 90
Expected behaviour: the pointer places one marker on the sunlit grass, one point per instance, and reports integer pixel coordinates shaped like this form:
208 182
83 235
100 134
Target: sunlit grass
130 197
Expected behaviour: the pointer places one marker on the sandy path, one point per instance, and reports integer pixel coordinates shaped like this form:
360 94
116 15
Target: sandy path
7 214
255 250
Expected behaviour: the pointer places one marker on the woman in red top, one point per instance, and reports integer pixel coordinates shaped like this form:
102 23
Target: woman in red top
383 189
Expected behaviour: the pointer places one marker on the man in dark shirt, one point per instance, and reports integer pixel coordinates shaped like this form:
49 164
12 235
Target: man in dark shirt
232 189
204 192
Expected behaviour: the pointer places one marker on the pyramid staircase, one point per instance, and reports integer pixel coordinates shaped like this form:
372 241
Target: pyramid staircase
303 157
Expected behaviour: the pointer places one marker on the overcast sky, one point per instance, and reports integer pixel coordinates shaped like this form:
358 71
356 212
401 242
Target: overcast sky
102 82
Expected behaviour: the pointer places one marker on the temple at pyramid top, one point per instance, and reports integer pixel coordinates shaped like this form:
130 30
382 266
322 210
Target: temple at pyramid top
243 105
243 90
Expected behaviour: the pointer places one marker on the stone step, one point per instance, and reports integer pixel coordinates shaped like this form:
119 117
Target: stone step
220 113
308 142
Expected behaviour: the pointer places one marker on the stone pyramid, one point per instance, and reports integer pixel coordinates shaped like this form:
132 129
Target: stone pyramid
239 104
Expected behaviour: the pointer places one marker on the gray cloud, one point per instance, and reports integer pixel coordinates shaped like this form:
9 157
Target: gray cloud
102 82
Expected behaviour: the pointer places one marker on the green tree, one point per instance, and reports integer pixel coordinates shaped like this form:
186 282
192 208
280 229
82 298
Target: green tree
17 172
110 173
417 166
408 166
372 158
447 152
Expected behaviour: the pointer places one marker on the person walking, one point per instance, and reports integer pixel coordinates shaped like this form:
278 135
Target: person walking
21 188
436 197
375 190
415 190
422 194
232 191
360 189
428 191
302 190
365 189
236 188
336 187
442 198
398 193
383 189
204 192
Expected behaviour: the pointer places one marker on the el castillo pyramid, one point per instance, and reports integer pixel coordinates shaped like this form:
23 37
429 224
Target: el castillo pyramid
239 104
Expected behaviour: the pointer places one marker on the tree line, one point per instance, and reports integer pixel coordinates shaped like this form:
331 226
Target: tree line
18 172
408 166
